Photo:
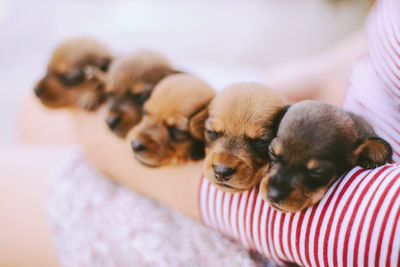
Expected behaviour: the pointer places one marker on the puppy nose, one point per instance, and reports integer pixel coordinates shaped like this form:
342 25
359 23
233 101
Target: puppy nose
38 91
276 194
113 122
137 146
223 173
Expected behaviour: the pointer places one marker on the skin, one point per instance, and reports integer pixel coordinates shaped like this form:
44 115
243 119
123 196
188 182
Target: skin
322 77
182 181
24 228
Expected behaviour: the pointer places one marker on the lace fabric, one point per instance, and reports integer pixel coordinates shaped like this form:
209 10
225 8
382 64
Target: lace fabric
96 222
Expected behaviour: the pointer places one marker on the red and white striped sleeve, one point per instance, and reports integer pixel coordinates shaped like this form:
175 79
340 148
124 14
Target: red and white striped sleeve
357 223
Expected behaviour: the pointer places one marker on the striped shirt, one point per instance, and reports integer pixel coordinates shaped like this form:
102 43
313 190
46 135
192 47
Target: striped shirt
357 223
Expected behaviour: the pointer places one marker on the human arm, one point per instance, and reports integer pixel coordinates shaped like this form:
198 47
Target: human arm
176 186
321 77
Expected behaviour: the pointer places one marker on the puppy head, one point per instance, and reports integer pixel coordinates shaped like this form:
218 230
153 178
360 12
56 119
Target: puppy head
130 82
315 144
162 137
238 129
65 83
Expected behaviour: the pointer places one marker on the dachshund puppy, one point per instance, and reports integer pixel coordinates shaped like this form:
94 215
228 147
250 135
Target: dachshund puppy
162 137
316 143
238 127
129 83
65 83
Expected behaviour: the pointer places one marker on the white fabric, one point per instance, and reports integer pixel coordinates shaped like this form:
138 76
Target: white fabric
96 222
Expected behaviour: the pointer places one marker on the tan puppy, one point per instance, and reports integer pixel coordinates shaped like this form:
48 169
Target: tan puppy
162 137
129 84
65 83
238 128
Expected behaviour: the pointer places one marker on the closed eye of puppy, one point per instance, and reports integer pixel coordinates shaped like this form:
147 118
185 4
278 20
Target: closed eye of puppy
129 84
162 137
316 143
238 127
65 84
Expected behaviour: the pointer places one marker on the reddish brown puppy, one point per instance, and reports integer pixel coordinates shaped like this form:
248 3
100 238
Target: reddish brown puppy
162 137
129 84
66 83
316 143
238 127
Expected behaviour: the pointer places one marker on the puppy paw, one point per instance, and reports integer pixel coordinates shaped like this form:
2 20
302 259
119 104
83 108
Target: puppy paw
372 152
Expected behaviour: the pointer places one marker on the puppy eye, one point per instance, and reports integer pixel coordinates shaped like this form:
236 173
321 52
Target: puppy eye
317 173
73 77
260 146
322 175
212 135
140 98
316 179
105 64
177 135
261 142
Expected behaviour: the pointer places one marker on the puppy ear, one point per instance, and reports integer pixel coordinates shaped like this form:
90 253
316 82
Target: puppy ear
198 150
278 117
371 152
151 77
156 74
197 123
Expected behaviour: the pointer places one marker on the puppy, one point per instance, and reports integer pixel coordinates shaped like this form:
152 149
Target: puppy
65 83
316 143
129 84
238 127
162 137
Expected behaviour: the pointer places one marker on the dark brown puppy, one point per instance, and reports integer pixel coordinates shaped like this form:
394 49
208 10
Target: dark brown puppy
66 83
315 144
238 128
162 137
129 84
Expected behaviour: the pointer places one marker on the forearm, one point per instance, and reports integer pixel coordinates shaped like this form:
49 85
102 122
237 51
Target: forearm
322 77
176 186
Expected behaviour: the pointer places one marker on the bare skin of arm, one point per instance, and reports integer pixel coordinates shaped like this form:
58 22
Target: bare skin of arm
24 226
323 77
176 186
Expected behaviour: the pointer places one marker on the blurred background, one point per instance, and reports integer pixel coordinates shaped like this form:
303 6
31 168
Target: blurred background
221 41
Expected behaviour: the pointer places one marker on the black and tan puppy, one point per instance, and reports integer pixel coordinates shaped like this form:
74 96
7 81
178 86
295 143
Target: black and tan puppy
316 143
129 84
238 128
162 137
66 83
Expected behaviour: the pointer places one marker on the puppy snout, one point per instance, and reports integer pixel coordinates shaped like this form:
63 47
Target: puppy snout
277 192
38 91
223 173
113 122
137 146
